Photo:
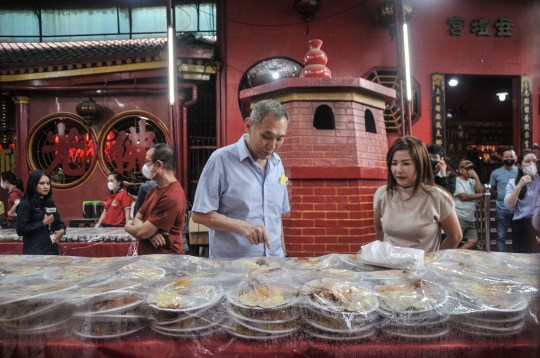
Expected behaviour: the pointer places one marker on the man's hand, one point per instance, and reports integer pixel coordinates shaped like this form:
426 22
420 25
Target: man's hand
472 174
256 234
159 239
442 167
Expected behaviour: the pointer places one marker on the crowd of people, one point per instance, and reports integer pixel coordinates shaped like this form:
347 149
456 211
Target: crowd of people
242 195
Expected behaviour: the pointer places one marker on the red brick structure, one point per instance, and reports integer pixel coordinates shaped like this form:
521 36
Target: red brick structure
333 173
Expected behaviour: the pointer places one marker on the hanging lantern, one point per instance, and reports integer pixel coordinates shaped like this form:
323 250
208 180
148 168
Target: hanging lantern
90 111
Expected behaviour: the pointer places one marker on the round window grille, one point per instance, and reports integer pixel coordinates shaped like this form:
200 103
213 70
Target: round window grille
63 147
124 140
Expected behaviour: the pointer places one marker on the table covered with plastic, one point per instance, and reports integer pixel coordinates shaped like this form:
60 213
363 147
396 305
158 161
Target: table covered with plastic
87 242
463 304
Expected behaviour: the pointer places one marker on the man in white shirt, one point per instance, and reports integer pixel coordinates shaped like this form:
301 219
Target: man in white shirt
468 189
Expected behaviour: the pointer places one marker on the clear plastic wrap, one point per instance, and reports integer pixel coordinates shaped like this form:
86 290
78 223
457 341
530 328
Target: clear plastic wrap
273 306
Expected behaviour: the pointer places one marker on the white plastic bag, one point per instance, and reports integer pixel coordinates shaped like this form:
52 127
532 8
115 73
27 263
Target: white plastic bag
383 254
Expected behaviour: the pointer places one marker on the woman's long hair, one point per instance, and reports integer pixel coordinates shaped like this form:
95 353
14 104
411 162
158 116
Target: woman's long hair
118 177
11 178
420 157
31 193
520 174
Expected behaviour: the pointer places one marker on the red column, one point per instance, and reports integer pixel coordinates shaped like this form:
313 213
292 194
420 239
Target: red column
22 104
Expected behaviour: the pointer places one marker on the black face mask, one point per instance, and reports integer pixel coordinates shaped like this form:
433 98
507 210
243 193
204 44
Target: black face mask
509 162
434 164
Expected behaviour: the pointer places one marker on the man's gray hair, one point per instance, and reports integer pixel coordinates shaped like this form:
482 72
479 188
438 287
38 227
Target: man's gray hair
268 107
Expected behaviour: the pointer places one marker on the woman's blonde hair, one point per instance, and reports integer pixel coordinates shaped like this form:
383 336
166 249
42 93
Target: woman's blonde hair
420 157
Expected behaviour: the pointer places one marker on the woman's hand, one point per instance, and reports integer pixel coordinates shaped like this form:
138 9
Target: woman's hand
58 235
48 219
525 180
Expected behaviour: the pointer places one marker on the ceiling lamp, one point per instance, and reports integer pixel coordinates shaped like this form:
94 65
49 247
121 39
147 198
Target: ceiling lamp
453 82
502 96
90 111
307 8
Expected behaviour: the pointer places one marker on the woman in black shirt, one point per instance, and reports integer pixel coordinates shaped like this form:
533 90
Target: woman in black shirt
40 231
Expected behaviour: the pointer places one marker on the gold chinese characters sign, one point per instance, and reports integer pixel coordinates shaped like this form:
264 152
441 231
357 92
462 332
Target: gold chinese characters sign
438 110
526 112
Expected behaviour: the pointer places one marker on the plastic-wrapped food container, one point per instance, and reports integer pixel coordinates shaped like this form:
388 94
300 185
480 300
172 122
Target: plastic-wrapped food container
485 331
351 262
411 297
416 333
27 308
329 336
16 271
191 324
248 263
47 319
107 326
188 335
181 298
71 273
239 330
505 324
497 316
312 263
337 297
165 317
355 330
265 301
491 296
285 326
115 302
345 321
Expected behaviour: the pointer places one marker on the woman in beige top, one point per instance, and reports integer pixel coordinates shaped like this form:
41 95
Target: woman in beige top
411 209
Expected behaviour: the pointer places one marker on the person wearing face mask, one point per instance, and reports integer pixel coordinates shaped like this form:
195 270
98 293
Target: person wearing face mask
242 192
521 195
15 189
159 222
118 204
498 180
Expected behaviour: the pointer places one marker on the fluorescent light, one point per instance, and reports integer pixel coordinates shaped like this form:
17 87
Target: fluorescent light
407 62
502 96
275 75
172 82
453 82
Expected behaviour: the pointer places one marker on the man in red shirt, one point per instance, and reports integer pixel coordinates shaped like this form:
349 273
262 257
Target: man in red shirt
159 222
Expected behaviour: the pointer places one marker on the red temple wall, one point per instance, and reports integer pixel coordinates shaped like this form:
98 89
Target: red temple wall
354 43
335 215
69 201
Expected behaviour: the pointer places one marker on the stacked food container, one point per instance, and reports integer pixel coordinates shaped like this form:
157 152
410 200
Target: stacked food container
338 310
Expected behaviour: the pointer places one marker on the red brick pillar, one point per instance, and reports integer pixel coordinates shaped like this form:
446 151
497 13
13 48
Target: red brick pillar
334 172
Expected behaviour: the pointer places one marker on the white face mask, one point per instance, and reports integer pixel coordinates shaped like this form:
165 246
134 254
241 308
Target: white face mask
147 172
3 185
530 170
110 186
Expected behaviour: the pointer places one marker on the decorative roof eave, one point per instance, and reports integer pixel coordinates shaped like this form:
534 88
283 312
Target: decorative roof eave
196 54
187 70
